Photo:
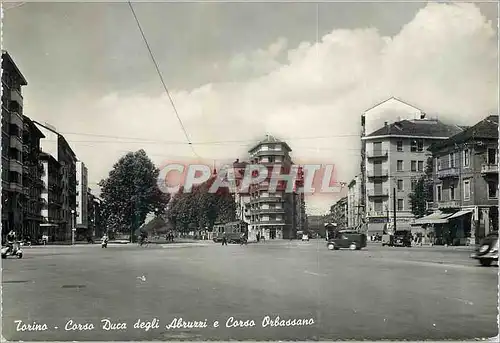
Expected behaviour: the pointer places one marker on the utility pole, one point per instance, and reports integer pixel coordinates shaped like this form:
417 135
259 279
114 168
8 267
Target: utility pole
394 203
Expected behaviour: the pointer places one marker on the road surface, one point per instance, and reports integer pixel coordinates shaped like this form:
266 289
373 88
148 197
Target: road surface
377 293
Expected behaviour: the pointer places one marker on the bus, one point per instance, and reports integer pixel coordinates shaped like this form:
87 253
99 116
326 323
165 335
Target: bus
233 231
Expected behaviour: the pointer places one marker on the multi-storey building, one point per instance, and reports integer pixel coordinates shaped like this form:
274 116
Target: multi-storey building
395 158
51 198
339 212
353 203
81 198
13 190
273 213
32 182
241 197
465 173
56 145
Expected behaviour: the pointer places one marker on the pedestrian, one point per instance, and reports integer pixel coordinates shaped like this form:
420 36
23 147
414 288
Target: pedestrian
258 237
224 239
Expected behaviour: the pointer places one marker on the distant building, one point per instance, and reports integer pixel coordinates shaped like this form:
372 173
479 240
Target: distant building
81 197
95 227
465 172
395 158
339 212
280 214
51 198
56 145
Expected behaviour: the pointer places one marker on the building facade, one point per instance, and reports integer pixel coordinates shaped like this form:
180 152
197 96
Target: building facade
55 145
465 174
32 180
353 203
51 197
95 227
81 197
339 213
275 214
396 157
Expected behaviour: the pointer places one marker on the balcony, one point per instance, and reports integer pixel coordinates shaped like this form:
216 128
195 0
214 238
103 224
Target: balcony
269 152
16 96
377 154
270 210
271 222
377 214
489 169
448 173
15 166
16 143
448 204
378 192
377 173
16 187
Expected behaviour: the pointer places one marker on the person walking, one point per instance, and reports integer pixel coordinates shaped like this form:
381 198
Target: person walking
224 239
258 237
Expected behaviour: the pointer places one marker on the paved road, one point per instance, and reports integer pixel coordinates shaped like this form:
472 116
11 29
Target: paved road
377 293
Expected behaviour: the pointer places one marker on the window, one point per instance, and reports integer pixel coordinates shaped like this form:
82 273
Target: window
413 184
420 145
466 157
399 145
452 160
492 156
420 166
492 190
378 206
400 165
413 166
452 192
400 204
413 146
439 194
400 185
466 189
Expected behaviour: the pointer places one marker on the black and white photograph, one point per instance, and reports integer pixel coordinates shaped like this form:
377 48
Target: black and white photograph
249 171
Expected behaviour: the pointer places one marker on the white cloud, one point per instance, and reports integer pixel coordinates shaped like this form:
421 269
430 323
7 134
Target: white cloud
444 61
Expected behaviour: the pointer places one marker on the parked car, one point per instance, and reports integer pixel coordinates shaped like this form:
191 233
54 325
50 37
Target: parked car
487 252
347 239
402 238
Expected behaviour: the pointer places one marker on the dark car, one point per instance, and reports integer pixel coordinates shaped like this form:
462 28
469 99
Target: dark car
402 239
347 240
487 252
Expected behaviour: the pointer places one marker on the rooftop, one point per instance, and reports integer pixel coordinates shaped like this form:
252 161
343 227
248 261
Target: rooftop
270 139
485 129
417 128
6 57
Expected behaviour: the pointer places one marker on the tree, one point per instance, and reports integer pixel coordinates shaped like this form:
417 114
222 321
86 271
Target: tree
423 192
130 192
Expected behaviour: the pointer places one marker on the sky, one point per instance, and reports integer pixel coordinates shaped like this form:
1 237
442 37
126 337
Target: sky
303 72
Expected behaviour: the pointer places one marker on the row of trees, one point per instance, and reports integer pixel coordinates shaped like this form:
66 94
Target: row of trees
200 208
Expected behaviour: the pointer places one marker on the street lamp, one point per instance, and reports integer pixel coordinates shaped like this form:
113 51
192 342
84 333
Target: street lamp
73 227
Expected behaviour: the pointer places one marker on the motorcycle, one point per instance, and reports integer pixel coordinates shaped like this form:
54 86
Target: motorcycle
104 244
12 250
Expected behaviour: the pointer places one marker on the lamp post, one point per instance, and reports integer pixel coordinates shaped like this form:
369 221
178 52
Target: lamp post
73 227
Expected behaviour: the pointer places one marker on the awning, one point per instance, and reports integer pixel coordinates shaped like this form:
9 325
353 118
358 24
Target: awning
459 214
376 227
434 218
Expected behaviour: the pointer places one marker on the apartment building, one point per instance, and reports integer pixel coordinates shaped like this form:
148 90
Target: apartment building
465 173
81 198
13 190
51 198
353 203
94 215
56 145
32 183
339 212
279 214
395 158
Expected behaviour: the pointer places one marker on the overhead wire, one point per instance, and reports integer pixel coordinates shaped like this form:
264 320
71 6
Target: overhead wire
161 79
